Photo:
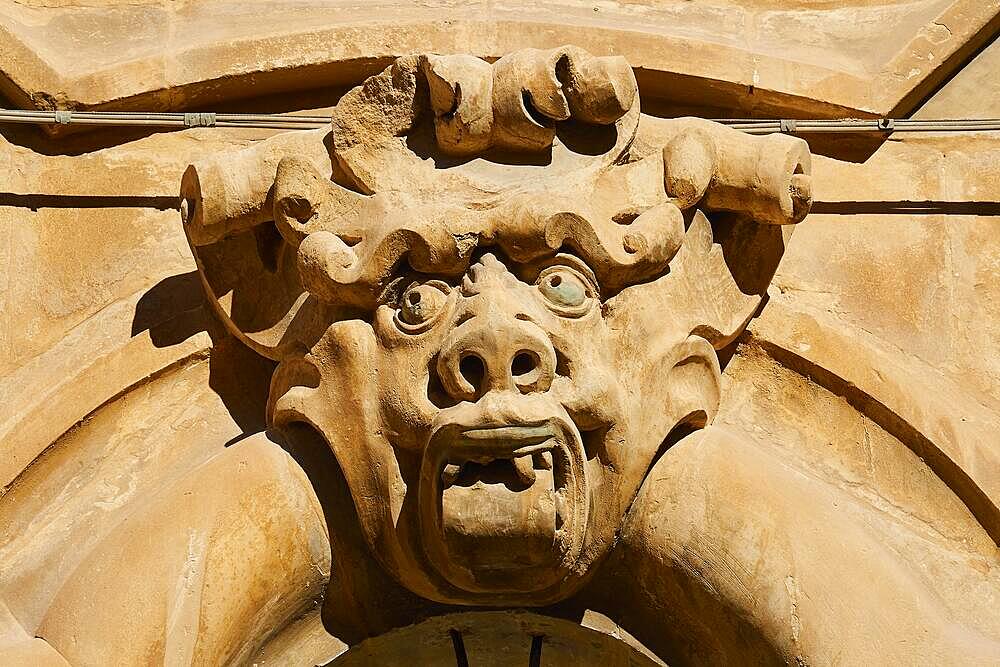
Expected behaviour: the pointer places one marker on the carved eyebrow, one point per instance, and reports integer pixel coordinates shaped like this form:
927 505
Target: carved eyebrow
577 263
393 290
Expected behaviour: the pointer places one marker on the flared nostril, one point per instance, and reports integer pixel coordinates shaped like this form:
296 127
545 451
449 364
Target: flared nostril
523 364
473 370
495 354
532 370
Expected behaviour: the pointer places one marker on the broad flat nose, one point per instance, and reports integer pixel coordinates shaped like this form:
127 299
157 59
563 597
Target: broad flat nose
495 352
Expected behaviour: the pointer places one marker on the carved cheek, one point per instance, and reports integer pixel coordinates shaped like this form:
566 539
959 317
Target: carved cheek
404 363
588 382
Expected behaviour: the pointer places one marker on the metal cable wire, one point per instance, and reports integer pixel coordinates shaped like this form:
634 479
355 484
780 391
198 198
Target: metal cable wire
297 122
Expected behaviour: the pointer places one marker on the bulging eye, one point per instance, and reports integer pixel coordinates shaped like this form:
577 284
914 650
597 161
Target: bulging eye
565 290
420 305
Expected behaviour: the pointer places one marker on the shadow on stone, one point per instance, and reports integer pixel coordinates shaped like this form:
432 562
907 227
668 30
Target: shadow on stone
172 310
175 309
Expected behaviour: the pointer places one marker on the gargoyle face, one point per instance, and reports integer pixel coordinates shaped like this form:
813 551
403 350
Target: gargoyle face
515 375
493 428
495 349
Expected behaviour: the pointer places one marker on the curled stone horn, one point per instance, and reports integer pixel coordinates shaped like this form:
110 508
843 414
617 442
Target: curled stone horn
515 102
515 105
763 178
232 193
440 155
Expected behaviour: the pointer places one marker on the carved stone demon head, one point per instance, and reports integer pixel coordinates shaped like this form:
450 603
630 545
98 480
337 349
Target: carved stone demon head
499 306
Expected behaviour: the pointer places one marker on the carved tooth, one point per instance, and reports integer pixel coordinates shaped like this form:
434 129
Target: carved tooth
543 460
525 469
450 473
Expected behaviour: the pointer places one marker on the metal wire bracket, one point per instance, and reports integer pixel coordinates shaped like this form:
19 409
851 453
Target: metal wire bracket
294 121
199 120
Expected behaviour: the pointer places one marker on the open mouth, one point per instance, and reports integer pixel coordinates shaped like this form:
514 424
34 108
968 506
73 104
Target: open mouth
505 499
508 455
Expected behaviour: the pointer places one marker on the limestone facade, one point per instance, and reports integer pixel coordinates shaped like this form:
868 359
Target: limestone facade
519 361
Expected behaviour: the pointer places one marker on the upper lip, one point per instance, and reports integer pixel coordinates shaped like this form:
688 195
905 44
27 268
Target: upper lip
526 446
484 444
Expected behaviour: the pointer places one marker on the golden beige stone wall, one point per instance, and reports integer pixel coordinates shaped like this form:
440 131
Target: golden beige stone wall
872 367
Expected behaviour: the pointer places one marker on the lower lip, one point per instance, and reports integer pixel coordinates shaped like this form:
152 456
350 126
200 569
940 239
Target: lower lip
492 528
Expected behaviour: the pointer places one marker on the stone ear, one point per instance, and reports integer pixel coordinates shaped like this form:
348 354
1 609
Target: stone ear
694 383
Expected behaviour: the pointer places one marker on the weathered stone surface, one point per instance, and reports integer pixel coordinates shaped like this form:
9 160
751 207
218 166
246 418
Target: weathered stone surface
508 311
880 56
838 499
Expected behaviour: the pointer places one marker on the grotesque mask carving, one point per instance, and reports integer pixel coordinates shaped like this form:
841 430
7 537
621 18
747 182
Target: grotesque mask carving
494 302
